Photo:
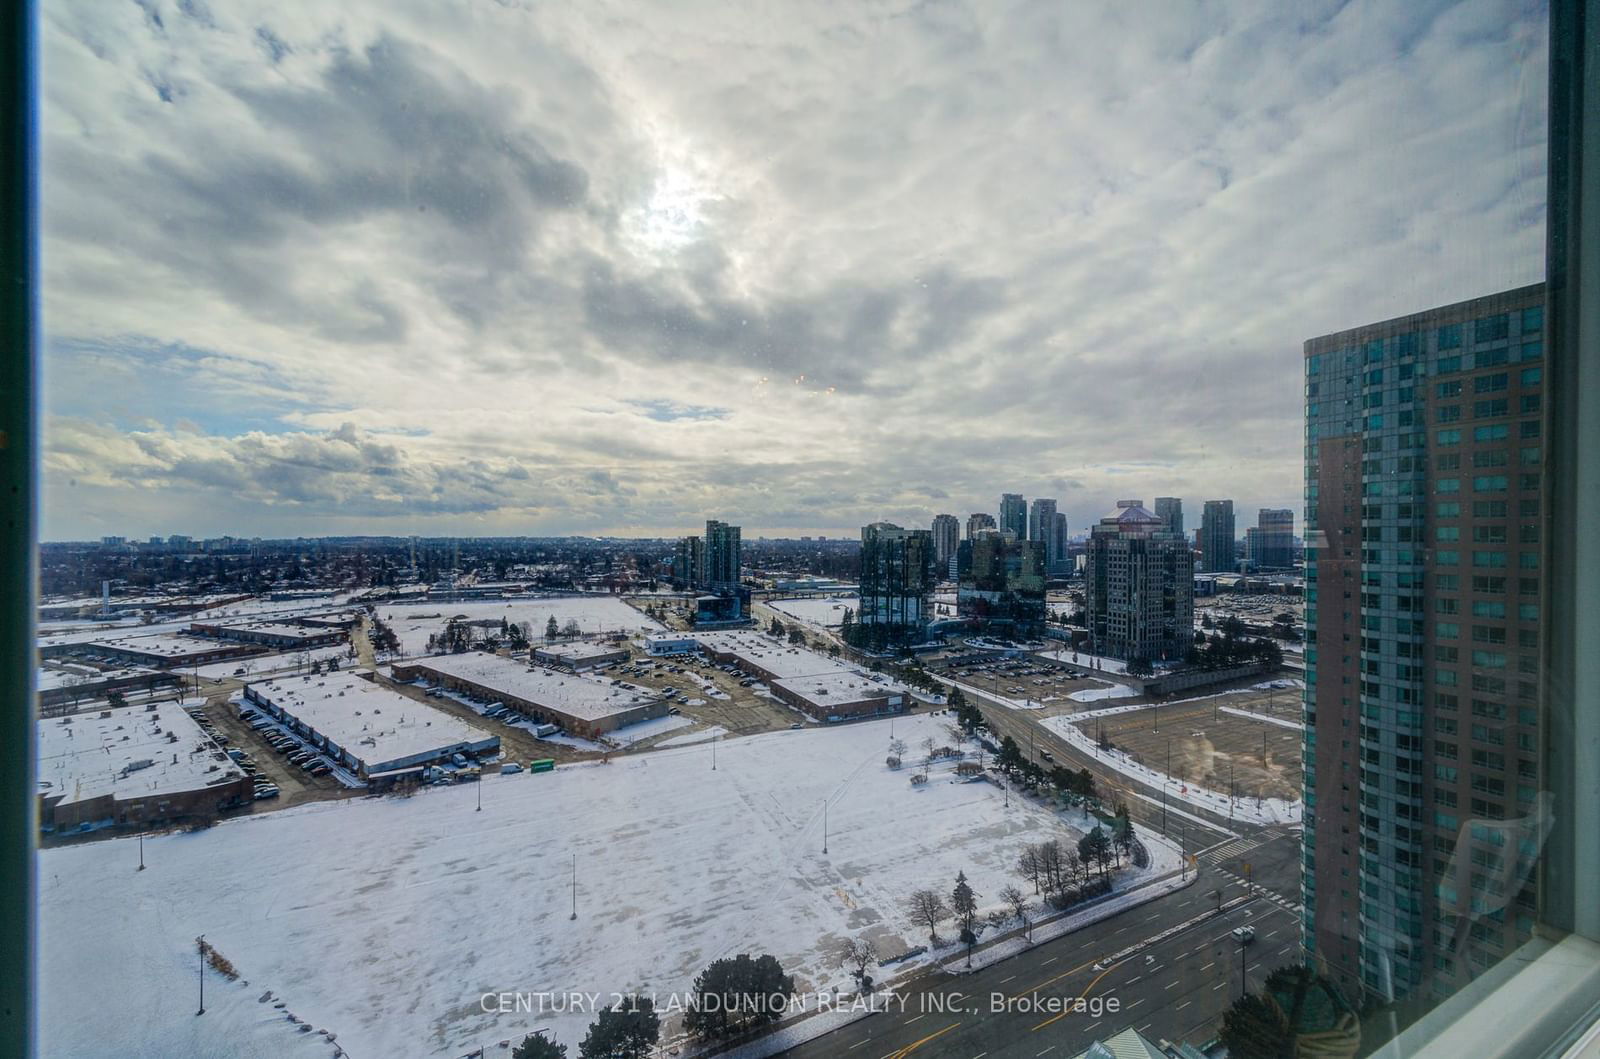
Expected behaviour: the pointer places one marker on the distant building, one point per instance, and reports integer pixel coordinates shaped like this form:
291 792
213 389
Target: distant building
1014 515
1169 509
722 555
1269 544
711 566
1217 549
1058 551
897 574
1004 586
946 535
688 562
1139 586
978 520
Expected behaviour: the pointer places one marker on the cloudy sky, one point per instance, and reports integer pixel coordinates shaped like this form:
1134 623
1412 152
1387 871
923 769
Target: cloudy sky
617 267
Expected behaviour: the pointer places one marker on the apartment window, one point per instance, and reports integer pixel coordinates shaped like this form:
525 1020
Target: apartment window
1447 413
1448 437
1531 376
1449 337
1451 388
1491 328
1489 409
1490 383
1489 433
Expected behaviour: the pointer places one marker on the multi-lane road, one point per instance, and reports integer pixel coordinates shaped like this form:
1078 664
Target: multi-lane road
1057 998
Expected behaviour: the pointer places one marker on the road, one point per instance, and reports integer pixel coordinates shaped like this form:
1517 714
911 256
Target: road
1175 988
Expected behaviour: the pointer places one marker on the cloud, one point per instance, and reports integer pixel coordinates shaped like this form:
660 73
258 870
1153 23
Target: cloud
890 260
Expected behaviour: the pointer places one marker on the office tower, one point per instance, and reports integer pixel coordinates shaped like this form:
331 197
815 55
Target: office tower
1170 510
1139 586
897 574
978 521
1014 515
1269 544
1062 561
1004 586
1217 551
722 558
1040 512
1424 812
946 535
688 562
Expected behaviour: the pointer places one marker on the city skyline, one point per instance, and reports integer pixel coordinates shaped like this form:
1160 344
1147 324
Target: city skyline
631 275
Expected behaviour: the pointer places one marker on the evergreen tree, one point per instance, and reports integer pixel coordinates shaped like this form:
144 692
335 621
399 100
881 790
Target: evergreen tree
627 1030
538 1046
737 995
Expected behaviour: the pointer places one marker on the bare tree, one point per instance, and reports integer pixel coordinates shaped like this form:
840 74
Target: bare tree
1028 866
1017 901
858 954
929 910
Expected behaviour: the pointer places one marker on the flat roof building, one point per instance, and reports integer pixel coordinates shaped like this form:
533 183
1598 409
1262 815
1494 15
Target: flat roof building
285 636
365 726
162 650
133 766
582 705
579 654
812 683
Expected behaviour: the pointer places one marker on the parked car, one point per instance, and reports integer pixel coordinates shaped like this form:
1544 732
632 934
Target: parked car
510 768
266 792
796 724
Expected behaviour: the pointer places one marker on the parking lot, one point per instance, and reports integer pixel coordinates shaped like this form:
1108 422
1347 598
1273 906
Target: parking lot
1040 681
294 784
708 693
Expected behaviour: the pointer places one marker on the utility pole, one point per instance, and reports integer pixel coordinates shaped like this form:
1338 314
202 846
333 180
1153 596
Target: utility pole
574 887
480 792
1183 855
1263 748
713 753
141 853
824 825
200 943
1242 972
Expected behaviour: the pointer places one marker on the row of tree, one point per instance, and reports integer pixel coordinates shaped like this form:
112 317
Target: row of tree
732 997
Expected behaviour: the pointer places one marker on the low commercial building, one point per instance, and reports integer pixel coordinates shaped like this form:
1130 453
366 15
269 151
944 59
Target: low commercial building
581 705
372 730
161 650
282 636
579 655
661 644
61 686
134 766
815 684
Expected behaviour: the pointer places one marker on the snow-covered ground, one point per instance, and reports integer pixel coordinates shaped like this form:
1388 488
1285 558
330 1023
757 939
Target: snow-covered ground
1110 691
385 920
1104 663
827 612
703 735
413 623
632 733
260 665
1285 721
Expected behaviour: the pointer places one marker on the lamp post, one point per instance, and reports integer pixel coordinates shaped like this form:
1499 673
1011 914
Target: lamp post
200 943
141 853
574 887
824 825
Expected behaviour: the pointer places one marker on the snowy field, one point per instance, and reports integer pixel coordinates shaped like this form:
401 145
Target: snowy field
413 623
383 921
825 612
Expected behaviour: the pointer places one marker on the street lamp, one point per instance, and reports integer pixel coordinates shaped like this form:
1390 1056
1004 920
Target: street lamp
200 943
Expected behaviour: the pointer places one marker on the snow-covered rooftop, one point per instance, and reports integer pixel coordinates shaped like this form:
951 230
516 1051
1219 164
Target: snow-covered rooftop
781 660
373 722
160 645
576 650
130 753
271 628
575 694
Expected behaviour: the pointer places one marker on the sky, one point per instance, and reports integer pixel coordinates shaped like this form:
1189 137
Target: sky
614 268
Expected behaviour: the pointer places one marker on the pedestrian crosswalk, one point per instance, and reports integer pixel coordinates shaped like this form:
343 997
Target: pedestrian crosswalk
1231 849
1292 907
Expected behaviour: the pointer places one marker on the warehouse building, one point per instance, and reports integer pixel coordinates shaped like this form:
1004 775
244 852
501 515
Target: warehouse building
580 655
281 636
161 650
661 644
581 705
374 731
812 683
61 686
133 767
